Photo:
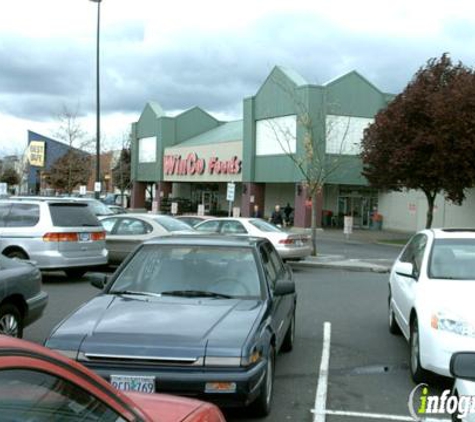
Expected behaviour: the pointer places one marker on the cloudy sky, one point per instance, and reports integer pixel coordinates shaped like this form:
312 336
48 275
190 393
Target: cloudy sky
207 53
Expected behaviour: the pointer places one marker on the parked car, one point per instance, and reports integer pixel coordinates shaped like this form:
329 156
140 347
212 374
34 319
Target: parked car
22 300
37 384
56 234
431 291
117 209
291 246
462 368
125 232
98 208
192 220
198 315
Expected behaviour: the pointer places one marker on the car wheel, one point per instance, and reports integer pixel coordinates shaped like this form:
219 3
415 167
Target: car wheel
11 321
288 343
393 327
418 373
16 253
262 405
75 272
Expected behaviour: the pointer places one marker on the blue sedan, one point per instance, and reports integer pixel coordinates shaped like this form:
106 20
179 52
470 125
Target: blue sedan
200 316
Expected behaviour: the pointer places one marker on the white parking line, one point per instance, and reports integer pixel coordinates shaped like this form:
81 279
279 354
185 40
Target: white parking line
320 411
322 387
380 416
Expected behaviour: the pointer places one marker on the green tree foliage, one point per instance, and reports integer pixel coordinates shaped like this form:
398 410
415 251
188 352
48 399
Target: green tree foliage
70 171
122 170
10 176
425 138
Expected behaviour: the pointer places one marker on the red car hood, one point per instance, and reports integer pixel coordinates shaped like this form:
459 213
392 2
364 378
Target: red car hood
165 408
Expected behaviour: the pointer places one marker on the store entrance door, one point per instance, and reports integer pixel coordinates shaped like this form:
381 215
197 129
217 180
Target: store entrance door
359 207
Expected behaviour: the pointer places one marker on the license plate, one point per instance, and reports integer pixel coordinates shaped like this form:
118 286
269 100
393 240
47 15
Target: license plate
84 237
299 243
142 384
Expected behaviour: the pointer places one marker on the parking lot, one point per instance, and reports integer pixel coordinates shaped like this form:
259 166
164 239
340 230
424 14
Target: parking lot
367 373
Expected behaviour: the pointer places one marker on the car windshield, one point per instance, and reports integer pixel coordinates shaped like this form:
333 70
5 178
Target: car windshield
172 224
264 226
191 271
453 259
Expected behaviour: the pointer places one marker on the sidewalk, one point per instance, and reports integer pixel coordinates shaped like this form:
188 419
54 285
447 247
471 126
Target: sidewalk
358 237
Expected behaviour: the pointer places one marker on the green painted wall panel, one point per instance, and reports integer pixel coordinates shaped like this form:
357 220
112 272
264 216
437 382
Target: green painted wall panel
192 123
353 95
276 168
248 145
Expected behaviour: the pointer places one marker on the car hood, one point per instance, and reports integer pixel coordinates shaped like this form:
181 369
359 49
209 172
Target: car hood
450 295
166 408
170 327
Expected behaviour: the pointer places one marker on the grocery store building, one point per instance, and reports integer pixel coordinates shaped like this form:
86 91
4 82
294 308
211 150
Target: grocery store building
191 157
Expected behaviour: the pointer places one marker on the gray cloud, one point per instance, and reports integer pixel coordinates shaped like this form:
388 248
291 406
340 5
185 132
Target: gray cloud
215 71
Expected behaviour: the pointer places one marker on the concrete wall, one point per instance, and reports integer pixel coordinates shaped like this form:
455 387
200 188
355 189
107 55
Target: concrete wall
406 211
278 194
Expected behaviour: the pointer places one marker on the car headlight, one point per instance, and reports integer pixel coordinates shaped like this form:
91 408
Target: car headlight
452 323
254 357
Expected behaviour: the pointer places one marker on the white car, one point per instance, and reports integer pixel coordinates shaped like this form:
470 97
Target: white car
291 246
462 368
431 298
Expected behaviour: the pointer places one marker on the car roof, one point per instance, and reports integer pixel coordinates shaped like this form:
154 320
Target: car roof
453 233
207 239
36 199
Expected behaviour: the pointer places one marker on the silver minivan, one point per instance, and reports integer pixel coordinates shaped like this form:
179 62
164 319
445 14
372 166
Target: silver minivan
56 234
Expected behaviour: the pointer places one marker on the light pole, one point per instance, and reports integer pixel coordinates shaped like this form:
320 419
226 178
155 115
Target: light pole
98 107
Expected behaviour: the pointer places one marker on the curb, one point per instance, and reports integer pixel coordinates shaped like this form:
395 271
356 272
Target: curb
341 266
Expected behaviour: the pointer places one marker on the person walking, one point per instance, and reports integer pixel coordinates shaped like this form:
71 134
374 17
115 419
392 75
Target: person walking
276 217
257 212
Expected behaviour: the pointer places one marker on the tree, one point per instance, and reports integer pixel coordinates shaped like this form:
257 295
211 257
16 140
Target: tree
69 171
71 133
425 138
10 176
121 171
315 165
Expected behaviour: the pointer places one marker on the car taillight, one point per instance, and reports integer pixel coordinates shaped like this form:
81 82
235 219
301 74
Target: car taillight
61 237
98 235
286 241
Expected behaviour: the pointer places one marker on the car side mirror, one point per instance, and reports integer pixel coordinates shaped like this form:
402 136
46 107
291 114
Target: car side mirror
284 287
462 365
98 280
406 269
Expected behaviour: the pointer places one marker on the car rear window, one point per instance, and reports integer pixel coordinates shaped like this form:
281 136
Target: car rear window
72 215
172 224
264 226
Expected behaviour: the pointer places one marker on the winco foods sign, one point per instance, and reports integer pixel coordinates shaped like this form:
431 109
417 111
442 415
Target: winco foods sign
193 165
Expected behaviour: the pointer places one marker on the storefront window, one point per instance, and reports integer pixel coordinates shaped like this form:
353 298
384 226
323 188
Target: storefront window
147 150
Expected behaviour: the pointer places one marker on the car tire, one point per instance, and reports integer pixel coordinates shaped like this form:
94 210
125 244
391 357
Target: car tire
11 321
262 405
418 373
393 326
289 339
16 253
75 272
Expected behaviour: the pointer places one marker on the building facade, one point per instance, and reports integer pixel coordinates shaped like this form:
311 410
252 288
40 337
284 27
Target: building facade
192 157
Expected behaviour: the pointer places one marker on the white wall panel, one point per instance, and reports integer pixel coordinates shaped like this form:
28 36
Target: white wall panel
276 136
344 134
